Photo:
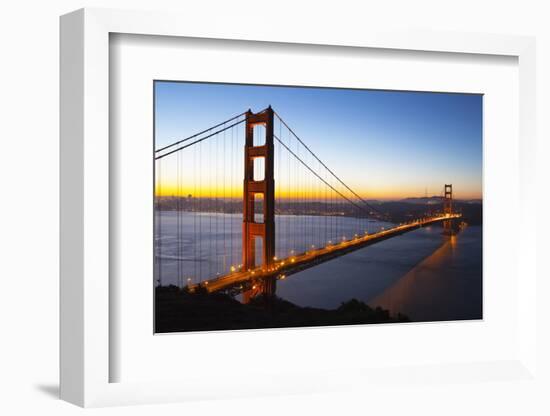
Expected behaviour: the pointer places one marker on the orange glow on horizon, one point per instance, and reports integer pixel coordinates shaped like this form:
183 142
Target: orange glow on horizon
388 194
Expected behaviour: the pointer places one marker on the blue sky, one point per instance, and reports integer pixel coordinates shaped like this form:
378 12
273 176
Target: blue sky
385 144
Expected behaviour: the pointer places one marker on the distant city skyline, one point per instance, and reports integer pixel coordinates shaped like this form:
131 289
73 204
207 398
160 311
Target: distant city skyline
384 144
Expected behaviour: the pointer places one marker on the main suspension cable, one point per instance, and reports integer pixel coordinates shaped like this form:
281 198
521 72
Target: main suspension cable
199 133
325 166
200 140
316 174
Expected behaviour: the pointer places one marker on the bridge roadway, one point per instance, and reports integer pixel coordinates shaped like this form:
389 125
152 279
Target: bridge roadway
285 267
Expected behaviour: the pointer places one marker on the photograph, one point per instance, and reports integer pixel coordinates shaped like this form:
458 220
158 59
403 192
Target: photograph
299 206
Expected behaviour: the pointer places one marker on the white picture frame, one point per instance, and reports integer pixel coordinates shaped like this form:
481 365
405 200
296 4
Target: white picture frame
85 219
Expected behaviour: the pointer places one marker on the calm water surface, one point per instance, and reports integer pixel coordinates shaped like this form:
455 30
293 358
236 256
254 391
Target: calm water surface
423 274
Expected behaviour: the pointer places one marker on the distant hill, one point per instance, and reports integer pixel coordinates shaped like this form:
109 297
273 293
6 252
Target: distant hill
432 200
410 208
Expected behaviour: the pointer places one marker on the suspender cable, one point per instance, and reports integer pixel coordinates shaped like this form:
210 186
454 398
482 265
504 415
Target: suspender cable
317 175
326 167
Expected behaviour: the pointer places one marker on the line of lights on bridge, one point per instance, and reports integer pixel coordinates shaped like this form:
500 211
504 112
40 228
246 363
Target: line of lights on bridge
293 256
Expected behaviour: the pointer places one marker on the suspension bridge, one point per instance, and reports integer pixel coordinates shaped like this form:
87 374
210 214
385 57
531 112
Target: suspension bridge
217 230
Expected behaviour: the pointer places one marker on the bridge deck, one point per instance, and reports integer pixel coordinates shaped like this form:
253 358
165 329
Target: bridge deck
284 267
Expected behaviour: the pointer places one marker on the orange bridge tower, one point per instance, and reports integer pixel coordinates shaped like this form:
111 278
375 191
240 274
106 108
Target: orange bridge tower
259 200
448 209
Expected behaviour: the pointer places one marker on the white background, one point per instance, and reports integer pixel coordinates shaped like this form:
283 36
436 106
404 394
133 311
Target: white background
29 207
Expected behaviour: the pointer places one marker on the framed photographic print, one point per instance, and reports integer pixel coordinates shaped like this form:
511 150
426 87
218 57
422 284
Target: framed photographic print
310 205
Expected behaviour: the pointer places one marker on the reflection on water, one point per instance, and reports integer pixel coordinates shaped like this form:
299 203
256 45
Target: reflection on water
447 285
422 274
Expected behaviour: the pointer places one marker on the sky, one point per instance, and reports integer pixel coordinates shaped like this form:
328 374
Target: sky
384 144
